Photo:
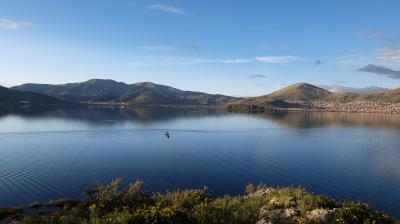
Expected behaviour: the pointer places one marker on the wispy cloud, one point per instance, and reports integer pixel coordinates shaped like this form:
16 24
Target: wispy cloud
388 54
169 9
344 89
235 61
355 59
258 76
278 59
393 41
190 62
368 33
273 47
192 47
13 25
157 48
340 81
5 84
381 70
169 48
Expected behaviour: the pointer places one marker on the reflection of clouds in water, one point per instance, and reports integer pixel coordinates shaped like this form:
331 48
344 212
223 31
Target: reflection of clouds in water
222 150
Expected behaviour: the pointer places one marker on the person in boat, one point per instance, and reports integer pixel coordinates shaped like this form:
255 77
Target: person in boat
167 134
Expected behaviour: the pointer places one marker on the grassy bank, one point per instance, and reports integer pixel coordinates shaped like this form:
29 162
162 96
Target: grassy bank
261 204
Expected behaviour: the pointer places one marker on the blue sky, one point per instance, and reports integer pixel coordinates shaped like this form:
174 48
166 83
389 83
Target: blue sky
241 48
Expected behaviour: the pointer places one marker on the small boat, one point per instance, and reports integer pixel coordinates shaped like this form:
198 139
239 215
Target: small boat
167 134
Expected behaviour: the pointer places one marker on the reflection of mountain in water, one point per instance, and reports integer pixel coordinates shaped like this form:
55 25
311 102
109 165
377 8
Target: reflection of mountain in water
331 119
113 114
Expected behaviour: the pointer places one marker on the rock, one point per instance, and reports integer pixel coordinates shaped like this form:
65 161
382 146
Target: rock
264 211
321 214
289 213
263 221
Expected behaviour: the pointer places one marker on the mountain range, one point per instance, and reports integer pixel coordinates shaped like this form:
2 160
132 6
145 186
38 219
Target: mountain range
110 91
107 91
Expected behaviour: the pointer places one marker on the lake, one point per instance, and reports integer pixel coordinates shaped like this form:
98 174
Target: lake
52 154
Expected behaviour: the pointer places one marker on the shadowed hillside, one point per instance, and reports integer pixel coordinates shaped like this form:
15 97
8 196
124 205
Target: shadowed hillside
12 98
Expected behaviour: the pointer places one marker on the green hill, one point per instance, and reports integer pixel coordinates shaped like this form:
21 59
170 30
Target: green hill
110 91
299 92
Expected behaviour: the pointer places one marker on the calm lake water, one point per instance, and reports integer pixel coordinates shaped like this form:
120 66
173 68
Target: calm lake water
53 154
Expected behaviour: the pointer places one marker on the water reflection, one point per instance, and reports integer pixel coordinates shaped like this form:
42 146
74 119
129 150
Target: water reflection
47 154
97 115
332 119
100 115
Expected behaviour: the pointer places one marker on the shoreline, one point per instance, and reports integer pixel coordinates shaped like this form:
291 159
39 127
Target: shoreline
318 106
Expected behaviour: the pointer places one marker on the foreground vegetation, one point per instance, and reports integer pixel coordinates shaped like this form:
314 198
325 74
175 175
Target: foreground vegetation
260 204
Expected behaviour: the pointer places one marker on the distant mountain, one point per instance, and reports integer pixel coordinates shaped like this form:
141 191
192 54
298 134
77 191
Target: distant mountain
305 92
110 91
347 89
11 98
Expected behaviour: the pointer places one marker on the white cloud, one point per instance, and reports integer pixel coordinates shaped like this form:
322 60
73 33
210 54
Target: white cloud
369 33
7 85
168 61
190 62
168 8
13 25
274 47
235 61
388 54
157 48
169 48
354 59
278 59
348 89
